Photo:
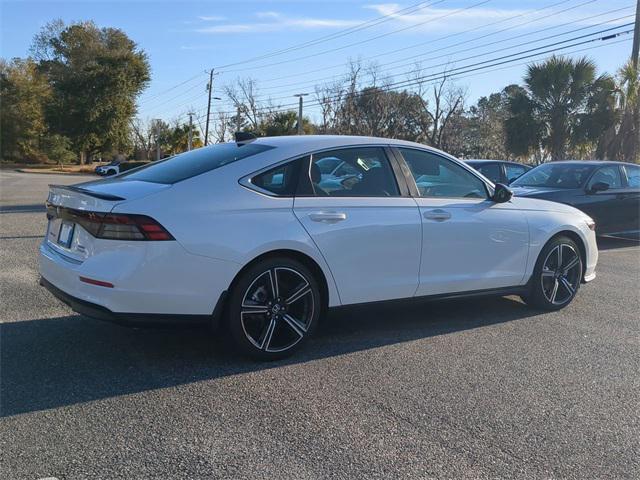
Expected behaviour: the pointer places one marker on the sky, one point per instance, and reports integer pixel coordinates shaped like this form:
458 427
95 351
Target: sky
245 39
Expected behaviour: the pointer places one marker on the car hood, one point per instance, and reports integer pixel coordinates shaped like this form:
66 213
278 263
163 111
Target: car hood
540 205
539 192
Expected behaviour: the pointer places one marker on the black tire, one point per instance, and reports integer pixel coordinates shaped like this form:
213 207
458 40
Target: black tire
268 324
552 286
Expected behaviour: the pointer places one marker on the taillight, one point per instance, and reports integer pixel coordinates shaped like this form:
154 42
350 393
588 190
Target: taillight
114 226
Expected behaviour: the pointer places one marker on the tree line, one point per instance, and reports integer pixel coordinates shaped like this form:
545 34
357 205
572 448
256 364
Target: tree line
74 99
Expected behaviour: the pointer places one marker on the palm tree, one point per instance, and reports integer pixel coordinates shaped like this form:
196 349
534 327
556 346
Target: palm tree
559 103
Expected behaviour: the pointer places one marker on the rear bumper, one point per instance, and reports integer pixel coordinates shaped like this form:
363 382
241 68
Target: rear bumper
99 312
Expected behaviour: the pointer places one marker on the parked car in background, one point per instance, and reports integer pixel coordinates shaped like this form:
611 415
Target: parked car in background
499 171
609 192
116 167
109 169
245 233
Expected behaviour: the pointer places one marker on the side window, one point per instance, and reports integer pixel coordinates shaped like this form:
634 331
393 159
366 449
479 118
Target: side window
436 176
328 164
633 176
281 180
364 172
609 175
491 171
513 171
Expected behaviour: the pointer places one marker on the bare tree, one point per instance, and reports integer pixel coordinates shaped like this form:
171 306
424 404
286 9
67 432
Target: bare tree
447 100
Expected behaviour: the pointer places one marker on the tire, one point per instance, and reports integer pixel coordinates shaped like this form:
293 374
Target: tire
110 172
553 286
270 321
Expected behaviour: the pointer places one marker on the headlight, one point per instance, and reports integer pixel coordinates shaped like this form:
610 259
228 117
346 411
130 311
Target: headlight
591 224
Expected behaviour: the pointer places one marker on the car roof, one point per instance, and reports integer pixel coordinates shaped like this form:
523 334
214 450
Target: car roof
300 144
486 160
587 162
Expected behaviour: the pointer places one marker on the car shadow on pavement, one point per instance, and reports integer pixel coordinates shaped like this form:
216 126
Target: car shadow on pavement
54 362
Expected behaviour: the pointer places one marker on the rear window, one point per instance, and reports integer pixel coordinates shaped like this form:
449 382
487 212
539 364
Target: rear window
189 164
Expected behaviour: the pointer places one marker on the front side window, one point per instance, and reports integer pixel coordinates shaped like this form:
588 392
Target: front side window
633 176
609 175
436 176
362 172
491 171
189 164
514 171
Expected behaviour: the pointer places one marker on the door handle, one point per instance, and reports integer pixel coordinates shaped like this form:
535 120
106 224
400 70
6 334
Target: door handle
328 217
438 215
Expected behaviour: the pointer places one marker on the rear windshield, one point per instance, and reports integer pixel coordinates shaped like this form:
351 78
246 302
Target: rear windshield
189 164
556 175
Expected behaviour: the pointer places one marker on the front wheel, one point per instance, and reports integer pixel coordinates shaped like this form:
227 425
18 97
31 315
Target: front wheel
274 308
557 275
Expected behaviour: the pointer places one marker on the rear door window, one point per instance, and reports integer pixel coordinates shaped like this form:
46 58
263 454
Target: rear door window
363 172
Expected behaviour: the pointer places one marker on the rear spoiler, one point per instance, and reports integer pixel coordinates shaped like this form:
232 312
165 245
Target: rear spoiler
91 193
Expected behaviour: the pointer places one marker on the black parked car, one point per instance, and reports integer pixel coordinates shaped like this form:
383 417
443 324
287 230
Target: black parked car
609 192
499 171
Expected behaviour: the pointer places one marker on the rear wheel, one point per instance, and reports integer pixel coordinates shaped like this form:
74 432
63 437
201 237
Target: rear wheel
557 275
274 308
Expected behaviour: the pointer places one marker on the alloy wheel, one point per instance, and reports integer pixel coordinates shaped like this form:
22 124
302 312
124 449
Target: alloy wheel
277 309
561 273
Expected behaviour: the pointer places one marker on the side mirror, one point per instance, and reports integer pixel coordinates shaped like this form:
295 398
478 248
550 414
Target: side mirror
599 187
502 193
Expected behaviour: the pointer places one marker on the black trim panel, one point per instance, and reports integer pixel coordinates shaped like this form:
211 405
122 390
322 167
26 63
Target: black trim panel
134 319
489 292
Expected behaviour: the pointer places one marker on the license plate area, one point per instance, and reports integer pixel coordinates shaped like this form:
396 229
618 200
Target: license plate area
65 234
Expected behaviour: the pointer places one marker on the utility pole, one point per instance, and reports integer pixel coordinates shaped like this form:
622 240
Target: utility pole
190 145
636 38
210 89
157 129
300 95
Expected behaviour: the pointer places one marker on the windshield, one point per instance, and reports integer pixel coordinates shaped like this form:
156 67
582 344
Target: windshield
555 175
189 164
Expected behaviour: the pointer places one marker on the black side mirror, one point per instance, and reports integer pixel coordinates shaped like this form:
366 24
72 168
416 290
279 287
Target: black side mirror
599 187
501 194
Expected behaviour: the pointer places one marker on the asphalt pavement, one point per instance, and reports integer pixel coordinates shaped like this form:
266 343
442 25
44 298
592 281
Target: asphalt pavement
483 388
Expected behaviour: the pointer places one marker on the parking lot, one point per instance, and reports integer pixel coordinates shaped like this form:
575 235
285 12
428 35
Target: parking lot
467 389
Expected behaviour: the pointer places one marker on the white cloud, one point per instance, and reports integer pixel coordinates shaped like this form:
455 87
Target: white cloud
432 19
279 22
211 18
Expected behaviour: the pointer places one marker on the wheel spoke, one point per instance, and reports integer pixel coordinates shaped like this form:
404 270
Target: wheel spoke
295 325
566 284
554 292
574 261
559 247
273 277
266 337
547 273
254 309
301 292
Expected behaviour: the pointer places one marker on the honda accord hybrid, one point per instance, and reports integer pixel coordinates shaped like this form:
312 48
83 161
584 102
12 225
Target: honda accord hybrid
244 234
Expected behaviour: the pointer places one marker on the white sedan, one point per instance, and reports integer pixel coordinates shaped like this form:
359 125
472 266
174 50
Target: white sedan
244 233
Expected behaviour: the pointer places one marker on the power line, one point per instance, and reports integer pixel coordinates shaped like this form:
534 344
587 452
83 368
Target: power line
340 33
509 48
377 37
468 68
172 88
413 7
320 80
